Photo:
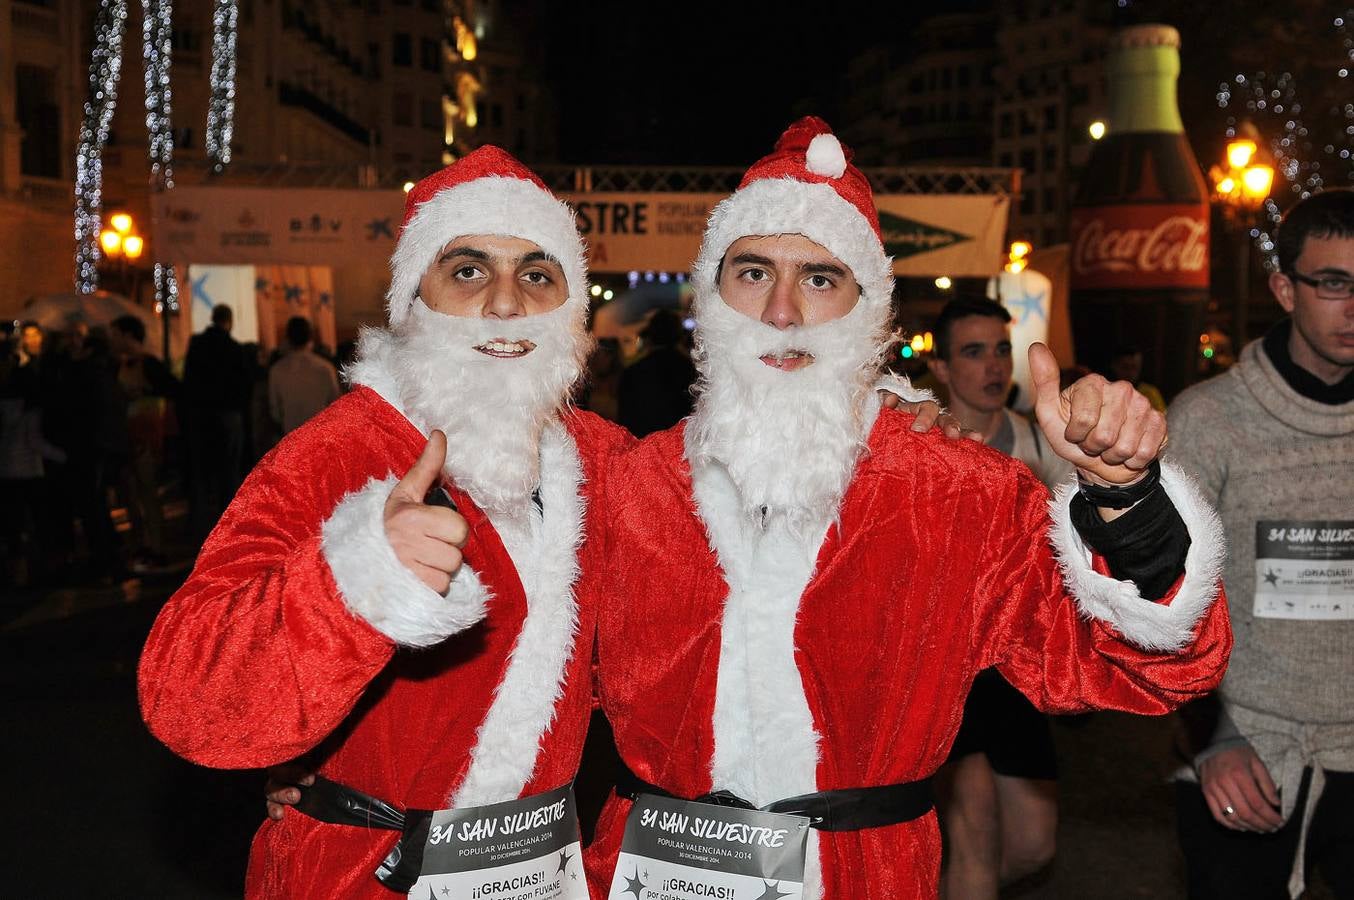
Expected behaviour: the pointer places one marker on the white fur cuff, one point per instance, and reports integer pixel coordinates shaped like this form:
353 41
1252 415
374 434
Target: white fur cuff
376 586
901 387
1149 625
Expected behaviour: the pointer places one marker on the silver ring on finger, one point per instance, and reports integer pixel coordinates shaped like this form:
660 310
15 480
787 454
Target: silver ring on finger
1228 811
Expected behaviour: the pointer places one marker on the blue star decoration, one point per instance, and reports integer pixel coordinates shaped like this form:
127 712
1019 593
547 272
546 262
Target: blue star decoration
1030 305
292 293
634 885
326 298
564 858
261 284
1272 577
379 228
199 289
772 891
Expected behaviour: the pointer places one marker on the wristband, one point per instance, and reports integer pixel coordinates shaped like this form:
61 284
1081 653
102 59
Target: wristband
1120 497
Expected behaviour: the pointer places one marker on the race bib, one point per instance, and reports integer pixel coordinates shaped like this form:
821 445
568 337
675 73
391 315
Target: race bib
524 849
684 850
1304 570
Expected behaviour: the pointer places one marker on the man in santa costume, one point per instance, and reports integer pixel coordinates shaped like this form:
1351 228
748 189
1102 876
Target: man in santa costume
806 587
417 656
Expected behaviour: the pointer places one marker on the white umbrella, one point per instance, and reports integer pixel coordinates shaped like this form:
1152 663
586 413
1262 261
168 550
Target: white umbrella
57 312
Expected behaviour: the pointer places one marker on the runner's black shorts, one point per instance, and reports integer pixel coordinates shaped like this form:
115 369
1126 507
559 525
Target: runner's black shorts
1002 724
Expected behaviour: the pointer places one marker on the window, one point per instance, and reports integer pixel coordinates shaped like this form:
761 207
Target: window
1050 199
1051 117
429 55
1051 158
430 114
402 109
39 116
1006 160
1027 203
945 79
1027 160
1026 122
962 76
1005 129
402 50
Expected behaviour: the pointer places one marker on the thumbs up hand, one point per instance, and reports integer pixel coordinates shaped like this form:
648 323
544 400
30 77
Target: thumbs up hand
1106 429
426 539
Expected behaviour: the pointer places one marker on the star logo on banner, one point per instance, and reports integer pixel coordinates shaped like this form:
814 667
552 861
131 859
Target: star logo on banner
199 289
564 858
1029 306
772 891
292 293
377 228
1272 577
445 890
634 885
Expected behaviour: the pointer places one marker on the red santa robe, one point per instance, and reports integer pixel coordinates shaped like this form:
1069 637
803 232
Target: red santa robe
772 665
280 643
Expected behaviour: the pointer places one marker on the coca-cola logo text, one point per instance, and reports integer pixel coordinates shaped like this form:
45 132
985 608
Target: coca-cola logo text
1175 244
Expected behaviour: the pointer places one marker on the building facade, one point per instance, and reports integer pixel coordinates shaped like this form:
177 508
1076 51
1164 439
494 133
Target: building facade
343 93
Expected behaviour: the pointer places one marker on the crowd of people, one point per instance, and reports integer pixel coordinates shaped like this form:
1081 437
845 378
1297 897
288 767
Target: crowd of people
93 423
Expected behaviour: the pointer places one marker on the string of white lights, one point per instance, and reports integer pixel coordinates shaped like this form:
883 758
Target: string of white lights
166 289
156 31
221 106
105 68
1295 148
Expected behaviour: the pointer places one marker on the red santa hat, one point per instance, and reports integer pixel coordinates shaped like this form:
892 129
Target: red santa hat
486 191
806 186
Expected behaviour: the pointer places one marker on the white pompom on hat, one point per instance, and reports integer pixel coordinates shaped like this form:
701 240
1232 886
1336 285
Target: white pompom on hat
486 191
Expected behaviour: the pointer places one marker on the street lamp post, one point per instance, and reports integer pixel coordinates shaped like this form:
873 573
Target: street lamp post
1240 188
121 242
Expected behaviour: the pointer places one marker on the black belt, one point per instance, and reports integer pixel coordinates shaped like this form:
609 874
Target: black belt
337 804
850 809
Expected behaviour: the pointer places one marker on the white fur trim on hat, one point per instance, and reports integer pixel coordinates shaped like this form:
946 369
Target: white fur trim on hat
1149 625
376 586
825 156
787 206
494 204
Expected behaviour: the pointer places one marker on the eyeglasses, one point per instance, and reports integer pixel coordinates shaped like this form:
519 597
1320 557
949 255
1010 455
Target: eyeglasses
1328 287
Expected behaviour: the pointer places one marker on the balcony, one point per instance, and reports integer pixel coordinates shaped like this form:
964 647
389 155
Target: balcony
293 95
35 18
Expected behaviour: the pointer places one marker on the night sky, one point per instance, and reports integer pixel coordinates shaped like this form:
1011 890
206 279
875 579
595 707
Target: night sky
699 82
714 83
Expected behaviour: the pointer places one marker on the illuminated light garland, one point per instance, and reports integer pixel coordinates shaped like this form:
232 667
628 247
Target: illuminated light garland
166 289
105 67
155 31
1293 148
221 106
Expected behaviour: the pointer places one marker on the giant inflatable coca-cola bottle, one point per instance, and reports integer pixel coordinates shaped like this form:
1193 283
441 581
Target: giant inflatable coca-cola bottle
1139 226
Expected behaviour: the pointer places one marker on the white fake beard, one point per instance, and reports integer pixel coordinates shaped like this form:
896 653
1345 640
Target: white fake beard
789 440
492 410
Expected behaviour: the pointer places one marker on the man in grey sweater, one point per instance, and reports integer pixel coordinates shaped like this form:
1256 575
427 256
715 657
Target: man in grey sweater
1272 441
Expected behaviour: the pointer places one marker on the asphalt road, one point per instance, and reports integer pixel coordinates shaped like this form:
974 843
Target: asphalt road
99 809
